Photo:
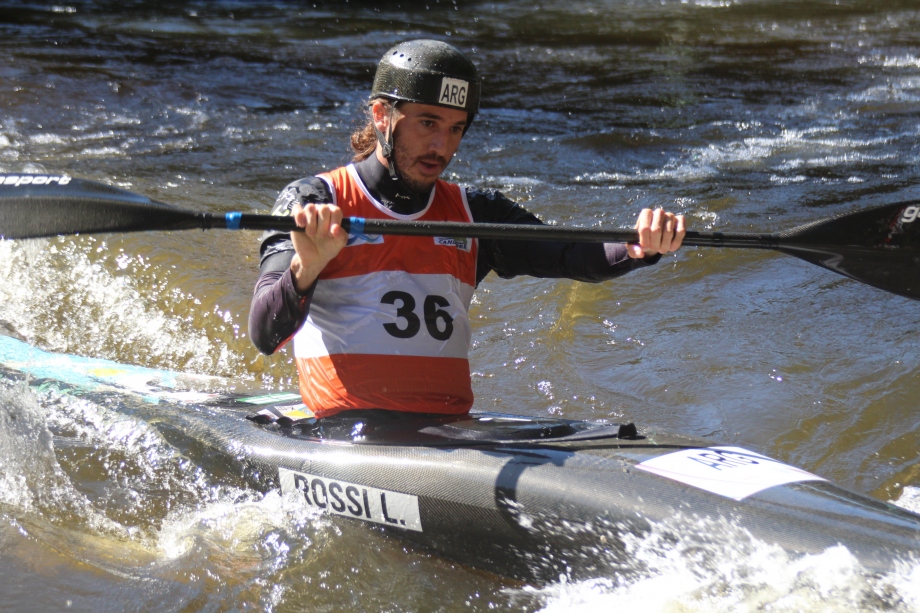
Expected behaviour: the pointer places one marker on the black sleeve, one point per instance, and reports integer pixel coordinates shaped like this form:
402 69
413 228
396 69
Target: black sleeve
591 262
277 309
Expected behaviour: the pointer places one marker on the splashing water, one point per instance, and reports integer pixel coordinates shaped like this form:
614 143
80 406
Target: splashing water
64 294
142 513
32 481
909 499
717 567
750 116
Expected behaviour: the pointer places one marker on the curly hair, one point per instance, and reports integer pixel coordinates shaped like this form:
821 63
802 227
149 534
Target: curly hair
364 139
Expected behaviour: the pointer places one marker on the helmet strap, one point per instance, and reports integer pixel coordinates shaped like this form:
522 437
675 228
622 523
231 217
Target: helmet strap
386 143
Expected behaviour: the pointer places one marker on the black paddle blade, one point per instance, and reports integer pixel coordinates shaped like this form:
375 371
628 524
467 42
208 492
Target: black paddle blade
33 206
879 246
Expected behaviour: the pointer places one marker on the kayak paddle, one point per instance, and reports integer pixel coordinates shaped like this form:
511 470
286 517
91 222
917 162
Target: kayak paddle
878 246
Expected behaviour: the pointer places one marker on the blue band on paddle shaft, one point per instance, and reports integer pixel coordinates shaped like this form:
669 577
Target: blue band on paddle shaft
233 220
356 225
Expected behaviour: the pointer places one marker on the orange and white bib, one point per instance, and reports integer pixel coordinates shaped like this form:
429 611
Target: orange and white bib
389 324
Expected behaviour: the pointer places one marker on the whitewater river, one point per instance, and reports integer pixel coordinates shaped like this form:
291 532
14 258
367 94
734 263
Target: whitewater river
743 115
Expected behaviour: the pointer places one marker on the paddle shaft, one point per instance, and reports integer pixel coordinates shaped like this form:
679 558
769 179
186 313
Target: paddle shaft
878 246
245 221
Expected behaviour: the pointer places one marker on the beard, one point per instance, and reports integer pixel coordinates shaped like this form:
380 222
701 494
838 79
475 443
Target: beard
405 160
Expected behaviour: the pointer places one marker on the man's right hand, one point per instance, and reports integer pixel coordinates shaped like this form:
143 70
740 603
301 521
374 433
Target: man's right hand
321 240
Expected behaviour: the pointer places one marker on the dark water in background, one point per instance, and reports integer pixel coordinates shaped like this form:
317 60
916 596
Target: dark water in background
745 116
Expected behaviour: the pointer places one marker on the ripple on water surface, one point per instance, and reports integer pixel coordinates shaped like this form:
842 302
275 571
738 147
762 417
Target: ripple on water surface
746 116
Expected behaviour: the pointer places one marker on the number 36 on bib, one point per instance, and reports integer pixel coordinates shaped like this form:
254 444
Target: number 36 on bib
438 322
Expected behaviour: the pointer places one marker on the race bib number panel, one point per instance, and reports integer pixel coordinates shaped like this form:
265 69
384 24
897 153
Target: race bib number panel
388 313
354 500
732 472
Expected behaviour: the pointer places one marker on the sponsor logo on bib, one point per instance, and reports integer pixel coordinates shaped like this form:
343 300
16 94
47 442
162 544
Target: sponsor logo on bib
447 241
454 91
363 239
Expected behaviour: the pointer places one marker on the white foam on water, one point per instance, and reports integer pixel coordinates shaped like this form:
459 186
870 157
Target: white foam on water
102 152
907 60
714 4
103 133
47 139
712 567
895 90
788 150
909 499
53 293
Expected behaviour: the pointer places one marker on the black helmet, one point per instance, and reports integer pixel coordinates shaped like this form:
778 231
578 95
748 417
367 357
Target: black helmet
428 72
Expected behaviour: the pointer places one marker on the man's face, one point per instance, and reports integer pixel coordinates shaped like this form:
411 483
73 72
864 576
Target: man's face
426 138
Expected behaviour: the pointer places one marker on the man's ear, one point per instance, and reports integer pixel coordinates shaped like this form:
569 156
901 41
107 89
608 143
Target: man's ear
380 111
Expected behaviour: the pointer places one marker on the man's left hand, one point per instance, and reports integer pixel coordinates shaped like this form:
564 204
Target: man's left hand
659 232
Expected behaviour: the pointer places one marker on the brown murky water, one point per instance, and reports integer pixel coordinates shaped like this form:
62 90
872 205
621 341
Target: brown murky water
744 115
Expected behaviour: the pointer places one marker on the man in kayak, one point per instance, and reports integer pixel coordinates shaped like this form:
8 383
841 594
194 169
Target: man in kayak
381 322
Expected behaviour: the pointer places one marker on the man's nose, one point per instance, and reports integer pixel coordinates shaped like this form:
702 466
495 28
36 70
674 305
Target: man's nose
439 143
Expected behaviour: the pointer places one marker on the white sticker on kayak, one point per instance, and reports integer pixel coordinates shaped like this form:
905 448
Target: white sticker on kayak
728 471
353 500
